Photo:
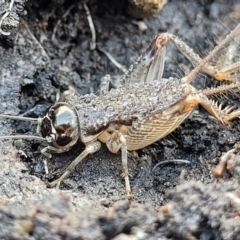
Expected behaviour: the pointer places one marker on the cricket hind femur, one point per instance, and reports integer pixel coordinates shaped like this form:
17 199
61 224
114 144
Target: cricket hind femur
60 126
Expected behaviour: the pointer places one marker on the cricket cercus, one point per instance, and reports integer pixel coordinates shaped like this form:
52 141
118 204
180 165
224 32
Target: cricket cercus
144 109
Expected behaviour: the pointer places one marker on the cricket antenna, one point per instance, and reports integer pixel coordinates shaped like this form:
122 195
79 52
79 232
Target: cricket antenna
197 69
33 120
21 136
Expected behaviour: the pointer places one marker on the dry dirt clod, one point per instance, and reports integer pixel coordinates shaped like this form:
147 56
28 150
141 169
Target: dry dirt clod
140 9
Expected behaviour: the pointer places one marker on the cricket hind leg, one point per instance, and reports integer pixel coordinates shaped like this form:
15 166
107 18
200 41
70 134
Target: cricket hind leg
90 148
224 115
228 73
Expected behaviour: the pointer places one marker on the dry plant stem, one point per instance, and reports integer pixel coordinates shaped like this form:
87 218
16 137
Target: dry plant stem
15 43
54 40
4 16
45 166
171 161
113 60
91 25
36 41
141 25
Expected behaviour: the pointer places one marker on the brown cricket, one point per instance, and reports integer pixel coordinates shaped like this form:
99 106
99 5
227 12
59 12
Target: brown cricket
142 110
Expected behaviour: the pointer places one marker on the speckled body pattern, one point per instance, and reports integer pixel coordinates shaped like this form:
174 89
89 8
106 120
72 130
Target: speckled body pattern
144 108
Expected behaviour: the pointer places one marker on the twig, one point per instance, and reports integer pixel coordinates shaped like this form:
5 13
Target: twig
170 161
15 43
54 40
36 41
4 16
113 60
91 25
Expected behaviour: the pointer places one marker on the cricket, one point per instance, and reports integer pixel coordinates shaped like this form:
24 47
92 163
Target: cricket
141 110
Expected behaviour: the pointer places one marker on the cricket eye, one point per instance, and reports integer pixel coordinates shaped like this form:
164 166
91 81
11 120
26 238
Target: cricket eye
65 122
62 128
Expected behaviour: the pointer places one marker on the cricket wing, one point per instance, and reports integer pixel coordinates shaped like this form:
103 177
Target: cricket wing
148 67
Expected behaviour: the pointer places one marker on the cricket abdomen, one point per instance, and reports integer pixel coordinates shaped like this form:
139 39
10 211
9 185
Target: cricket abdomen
154 129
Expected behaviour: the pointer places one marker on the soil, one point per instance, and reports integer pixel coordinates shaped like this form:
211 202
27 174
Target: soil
49 53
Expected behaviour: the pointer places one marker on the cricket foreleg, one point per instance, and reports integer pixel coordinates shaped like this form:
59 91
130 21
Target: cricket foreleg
45 152
105 83
91 148
108 82
124 165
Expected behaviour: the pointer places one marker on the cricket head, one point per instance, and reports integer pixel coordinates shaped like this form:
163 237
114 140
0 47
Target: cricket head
60 126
